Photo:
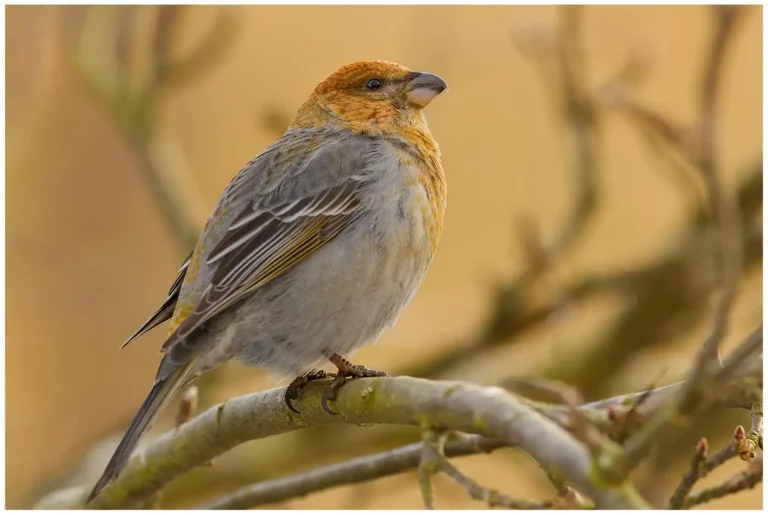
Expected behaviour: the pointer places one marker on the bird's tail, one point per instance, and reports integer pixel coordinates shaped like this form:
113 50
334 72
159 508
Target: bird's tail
161 394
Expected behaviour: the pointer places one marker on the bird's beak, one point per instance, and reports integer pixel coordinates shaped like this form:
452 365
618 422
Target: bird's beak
423 88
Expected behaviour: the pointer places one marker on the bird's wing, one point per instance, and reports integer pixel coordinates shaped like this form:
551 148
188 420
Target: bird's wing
165 312
280 229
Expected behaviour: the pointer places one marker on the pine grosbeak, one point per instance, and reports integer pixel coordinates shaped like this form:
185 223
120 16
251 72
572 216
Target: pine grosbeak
314 248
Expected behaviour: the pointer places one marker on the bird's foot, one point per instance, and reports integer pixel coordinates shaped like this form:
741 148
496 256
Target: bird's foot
346 371
294 389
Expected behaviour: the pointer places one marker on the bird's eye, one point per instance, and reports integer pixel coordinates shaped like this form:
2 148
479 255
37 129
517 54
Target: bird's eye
373 84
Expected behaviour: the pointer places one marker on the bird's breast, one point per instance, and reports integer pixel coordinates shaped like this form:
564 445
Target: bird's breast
425 192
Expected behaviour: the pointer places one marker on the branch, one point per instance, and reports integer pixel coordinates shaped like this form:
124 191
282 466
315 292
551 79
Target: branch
132 98
740 389
691 394
511 314
666 422
701 466
582 123
747 479
708 164
402 400
677 501
428 466
733 393
358 470
434 455
567 497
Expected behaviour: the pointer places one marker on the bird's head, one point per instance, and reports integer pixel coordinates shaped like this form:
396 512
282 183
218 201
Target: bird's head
371 97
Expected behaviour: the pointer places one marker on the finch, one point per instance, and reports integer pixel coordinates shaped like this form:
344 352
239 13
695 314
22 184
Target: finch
314 248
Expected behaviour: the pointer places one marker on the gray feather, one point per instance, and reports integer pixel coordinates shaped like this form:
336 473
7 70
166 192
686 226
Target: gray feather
162 392
165 312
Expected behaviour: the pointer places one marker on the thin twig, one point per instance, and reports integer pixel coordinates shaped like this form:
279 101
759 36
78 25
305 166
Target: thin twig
709 166
428 466
725 454
738 390
437 461
747 479
701 466
667 421
542 387
750 346
582 124
133 99
677 501
567 497
357 470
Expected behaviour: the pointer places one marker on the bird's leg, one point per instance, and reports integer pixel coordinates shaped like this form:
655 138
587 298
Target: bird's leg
346 371
293 390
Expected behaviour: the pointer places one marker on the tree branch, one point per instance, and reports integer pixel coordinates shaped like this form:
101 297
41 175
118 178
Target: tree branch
357 470
666 421
703 371
677 501
701 466
396 400
745 480
709 166
457 406
434 455
740 389
133 98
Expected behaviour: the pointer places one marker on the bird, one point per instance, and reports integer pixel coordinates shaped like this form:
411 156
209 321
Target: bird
313 249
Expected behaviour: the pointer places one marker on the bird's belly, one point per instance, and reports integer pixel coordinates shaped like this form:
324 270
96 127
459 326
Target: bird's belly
341 298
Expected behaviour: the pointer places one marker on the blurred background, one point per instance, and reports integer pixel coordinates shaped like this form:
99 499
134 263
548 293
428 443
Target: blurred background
577 245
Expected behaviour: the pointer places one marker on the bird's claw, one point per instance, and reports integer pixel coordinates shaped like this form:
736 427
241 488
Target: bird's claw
294 389
346 371
329 394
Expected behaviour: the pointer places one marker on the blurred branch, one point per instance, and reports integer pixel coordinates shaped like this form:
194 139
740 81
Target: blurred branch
428 467
402 400
704 157
665 298
669 296
207 54
747 479
695 472
357 470
581 119
510 314
667 421
131 81
721 205
434 454
701 466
